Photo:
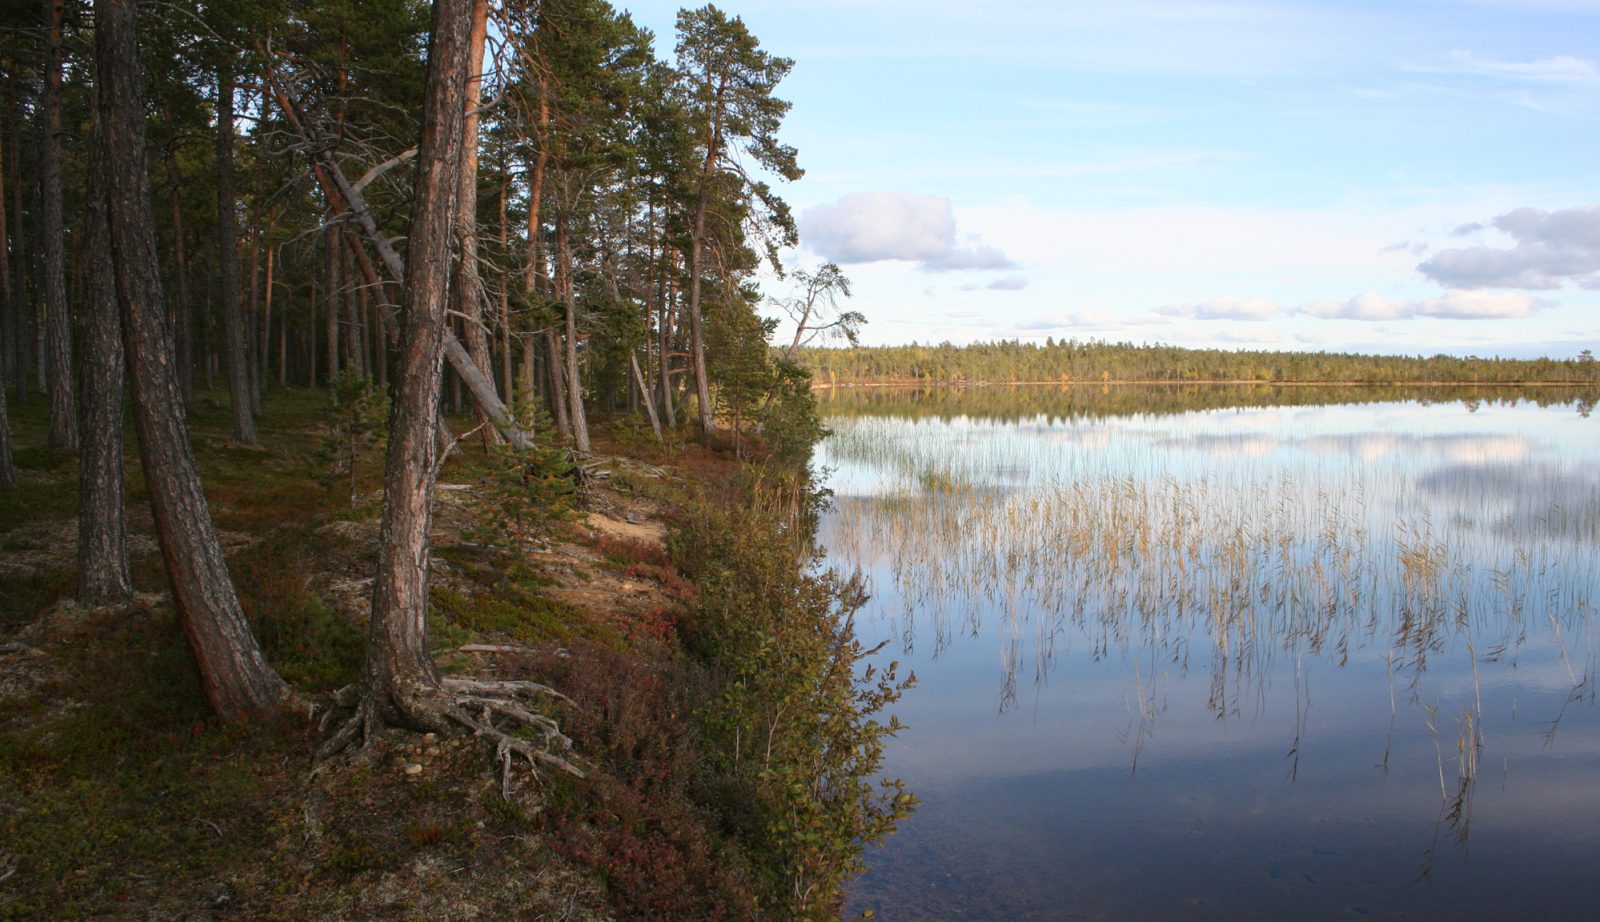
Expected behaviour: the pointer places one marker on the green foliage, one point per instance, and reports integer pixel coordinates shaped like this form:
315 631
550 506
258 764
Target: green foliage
516 611
311 645
360 425
736 348
792 730
790 420
534 488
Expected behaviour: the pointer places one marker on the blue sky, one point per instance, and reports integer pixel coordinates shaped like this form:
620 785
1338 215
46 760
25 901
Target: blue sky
1391 177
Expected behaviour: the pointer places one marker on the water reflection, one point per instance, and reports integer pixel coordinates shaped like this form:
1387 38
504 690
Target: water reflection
1370 598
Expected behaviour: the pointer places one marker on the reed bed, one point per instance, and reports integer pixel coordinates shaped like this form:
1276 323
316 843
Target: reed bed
1178 539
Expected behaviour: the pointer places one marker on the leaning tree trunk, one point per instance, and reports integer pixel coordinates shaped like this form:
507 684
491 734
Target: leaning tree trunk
348 199
102 528
399 674
233 672
58 323
233 326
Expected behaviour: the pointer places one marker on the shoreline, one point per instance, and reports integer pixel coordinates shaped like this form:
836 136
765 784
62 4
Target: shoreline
1214 382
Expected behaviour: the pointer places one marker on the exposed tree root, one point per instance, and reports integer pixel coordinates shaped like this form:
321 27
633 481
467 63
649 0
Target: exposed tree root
495 710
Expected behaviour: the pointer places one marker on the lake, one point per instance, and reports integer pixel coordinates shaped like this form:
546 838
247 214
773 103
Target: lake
1230 652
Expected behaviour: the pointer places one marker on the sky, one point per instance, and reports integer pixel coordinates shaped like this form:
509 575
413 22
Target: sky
1395 177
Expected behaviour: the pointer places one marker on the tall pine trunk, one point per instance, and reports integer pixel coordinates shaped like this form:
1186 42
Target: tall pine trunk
58 321
569 302
103 573
179 313
235 349
399 673
467 287
18 345
8 335
233 672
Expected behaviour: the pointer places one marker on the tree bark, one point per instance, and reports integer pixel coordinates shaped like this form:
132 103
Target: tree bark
58 321
555 366
179 314
399 673
18 343
266 320
508 388
665 352
254 336
569 301
103 574
336 282
697 342
645 395
235 675
8 332
467 287
8 306
233 325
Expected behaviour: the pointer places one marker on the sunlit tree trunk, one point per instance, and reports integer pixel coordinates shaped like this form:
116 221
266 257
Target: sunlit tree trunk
467 286
569 301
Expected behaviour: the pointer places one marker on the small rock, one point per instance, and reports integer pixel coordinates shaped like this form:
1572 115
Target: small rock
412 768
431 752
429 737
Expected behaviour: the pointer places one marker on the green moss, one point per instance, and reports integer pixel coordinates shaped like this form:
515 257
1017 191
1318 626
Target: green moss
521 614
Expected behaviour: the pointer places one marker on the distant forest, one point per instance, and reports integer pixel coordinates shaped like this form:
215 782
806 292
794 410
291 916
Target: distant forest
1010 361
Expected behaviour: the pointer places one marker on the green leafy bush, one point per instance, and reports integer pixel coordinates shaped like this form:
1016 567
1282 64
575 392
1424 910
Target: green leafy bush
792 732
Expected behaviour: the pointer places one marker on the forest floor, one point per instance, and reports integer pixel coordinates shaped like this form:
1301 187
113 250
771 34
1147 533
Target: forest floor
121 797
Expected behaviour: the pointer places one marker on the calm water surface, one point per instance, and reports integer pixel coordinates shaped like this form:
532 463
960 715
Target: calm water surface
1315 661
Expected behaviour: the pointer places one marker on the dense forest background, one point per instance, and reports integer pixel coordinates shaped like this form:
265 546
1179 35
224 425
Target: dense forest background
614 209
1067 361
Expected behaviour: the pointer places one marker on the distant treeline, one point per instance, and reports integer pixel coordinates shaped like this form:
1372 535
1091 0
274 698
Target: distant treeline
1010 361
1069 402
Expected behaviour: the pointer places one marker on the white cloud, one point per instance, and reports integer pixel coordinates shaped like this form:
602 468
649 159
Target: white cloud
877 226
1454 305
1008 283
1560 70
1551 248
1224 309
1075 320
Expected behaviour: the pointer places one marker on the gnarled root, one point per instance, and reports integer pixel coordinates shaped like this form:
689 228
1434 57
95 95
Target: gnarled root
491 709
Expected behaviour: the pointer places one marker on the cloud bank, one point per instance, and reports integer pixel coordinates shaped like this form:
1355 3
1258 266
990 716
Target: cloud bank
1551 249
1224 309
1454 305
1007 283
877 226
